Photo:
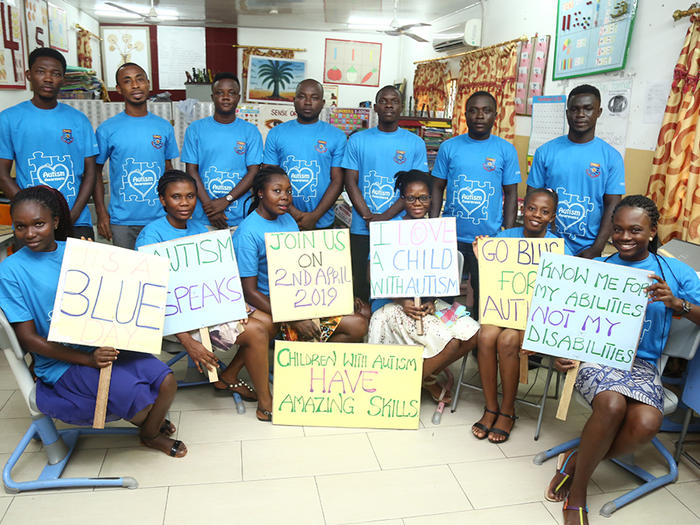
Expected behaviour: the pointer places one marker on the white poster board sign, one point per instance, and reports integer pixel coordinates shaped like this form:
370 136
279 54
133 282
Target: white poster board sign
179 50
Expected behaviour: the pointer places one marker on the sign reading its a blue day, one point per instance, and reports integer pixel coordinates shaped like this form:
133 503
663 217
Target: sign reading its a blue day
414 258
587 310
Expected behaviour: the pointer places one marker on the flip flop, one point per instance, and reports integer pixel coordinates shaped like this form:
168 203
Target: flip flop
242 388
482 427
562 462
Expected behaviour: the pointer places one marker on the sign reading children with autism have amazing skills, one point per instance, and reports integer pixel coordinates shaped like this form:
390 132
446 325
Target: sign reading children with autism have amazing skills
204 288
587 310
310 274
109 296
507 271
414 258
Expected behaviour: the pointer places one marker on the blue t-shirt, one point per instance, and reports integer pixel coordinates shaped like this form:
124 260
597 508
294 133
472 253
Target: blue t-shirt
249 244
49 146
684 284
161 230
519 231
476 171
222 153
580 174
137 148
307 152
377 156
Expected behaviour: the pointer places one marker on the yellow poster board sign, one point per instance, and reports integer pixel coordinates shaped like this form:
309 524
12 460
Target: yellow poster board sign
310 274
109 296
347 385
507 272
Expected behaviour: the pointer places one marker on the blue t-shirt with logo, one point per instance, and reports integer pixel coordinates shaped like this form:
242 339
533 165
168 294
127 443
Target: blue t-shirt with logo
377 156
222 153
137 148
581 174
476 171
49 146
307 152
161 231
249 245
519 232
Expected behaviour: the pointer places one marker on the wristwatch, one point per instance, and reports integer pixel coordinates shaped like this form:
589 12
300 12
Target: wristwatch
229 198
687 307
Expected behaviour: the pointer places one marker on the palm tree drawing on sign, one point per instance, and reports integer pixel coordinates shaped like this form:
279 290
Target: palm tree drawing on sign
276 74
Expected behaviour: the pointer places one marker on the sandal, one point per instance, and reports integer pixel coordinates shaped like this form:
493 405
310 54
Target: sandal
177 449
562 462
263 415
580 510
501 432
167 428
242 388
431 380
483 428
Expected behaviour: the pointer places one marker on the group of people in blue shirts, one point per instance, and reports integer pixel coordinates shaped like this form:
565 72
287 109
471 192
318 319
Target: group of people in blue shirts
575 188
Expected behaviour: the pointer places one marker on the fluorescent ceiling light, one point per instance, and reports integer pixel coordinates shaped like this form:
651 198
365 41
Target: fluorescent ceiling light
115 13
368 21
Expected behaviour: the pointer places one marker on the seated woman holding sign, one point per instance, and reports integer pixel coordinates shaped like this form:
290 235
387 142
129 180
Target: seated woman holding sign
272 196
627 406
395 322
142 387
178 195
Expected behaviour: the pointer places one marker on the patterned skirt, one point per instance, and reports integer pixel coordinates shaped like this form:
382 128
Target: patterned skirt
327 326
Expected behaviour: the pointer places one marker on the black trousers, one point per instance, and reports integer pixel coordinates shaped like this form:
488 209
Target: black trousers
359 253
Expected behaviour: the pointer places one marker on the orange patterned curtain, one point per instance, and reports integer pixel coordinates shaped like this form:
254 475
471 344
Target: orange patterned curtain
430 86
492 70
84 49
673 184
247 51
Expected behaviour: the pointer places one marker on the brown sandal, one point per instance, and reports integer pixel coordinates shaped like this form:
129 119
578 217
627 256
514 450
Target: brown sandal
240 387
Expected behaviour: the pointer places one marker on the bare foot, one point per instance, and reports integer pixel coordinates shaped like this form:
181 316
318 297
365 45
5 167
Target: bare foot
171 447
500 431
558 489
481 428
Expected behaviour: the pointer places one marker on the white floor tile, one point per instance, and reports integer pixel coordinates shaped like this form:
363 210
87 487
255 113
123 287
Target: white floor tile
688 494
526 514
215 426
11 431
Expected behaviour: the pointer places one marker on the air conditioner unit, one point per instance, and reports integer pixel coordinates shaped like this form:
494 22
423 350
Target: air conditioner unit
463 37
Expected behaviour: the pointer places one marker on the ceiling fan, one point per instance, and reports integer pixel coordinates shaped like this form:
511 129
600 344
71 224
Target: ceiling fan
151 17
397 30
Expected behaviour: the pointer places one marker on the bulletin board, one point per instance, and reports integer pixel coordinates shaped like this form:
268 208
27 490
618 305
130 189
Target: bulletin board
352 62
12 50
58 28
592 36
37 14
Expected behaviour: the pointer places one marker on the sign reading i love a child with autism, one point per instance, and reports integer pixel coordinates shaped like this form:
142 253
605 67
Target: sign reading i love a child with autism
204 288
109 296
347 385
587 310
309 274
414 258
507 272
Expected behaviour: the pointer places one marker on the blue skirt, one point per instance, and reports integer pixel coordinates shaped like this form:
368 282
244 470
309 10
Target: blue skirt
136 380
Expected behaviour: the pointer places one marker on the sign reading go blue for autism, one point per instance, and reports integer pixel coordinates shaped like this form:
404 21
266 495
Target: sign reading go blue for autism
204 288
587 310
414 258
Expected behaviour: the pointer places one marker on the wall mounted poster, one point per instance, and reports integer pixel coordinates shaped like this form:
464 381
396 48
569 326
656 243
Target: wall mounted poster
274 79
12 51
352 62
58 28
37 14
122 44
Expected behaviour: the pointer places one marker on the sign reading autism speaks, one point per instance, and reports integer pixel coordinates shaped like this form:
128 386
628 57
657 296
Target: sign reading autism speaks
507 271
204 287
414 258
310 274
347 385
587 310
109 296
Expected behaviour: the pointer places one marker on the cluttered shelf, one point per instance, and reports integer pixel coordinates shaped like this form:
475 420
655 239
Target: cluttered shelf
433 131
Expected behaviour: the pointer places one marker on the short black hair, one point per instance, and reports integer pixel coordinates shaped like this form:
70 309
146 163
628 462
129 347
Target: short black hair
224 75
404 178
584 89
542 191
313 80
262 177
650 209
46 52
171 176
385 88
127 64
481 94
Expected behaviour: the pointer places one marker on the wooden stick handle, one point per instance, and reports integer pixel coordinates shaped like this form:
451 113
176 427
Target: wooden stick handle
566 392
416 303
98 420
206 341
524 369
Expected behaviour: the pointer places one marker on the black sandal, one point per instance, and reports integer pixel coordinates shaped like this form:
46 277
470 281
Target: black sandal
482 427
501 432
174 448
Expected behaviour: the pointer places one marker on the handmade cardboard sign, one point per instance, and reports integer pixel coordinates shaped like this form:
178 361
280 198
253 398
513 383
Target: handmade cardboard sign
204 288
507 271
109 296
310 274
347 385
414 258
587 310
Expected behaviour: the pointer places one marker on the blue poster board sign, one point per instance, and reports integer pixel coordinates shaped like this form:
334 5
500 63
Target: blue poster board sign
592 36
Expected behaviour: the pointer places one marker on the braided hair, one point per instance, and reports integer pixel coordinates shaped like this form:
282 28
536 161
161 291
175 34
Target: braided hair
549 193
649 207
51 199
171 176
262 177
404 178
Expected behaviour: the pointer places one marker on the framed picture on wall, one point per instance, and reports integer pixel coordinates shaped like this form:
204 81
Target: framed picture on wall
352 62
37 14
274 80
121 44
58 28
12 50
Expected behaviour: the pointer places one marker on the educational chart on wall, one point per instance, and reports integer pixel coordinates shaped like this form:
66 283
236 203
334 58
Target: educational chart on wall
587 310
12 51
310 273
204 288
109 296
348 120
592 36
352 62
616 99
347 385
532 64
37 14
58 28
274 79
179 50
507 272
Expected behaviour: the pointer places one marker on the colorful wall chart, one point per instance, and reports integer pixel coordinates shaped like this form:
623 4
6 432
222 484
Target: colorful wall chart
532 64
274 79
348 120
352 62
37 14
12 51
58 28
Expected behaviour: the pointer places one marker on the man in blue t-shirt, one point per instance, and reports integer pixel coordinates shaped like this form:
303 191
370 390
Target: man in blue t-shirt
51 143
139 146
587 173
372 159
311 152
223 154
481 174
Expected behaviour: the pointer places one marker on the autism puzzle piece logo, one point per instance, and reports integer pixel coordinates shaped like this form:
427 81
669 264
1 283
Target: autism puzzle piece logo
572 211
471 199
218 183
645 330
139 181
380 193
53 170
303 176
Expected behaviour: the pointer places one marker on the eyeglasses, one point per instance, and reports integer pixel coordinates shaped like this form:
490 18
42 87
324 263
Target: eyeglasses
411 198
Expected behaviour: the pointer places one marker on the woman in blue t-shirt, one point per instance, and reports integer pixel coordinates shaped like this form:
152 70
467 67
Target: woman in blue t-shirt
627 406
142 387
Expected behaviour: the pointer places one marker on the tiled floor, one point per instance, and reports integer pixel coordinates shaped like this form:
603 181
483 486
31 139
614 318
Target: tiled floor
241 471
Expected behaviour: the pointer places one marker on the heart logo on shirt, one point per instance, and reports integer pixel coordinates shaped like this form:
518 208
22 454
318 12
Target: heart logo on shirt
471 200
380 196
219 187
300 178
55 175
570 214
142 182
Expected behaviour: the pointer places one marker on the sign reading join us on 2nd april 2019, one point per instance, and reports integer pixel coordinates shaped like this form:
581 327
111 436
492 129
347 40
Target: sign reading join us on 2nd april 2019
587 310
414 258
347 385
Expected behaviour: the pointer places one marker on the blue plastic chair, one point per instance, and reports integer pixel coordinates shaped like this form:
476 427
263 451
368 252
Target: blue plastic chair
58 445
691 399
